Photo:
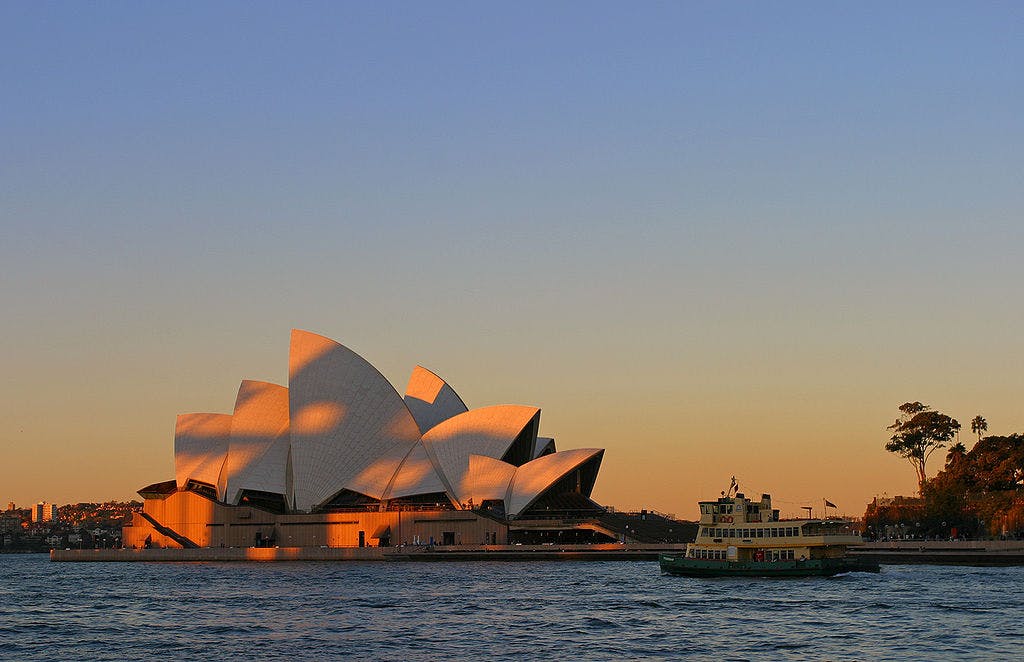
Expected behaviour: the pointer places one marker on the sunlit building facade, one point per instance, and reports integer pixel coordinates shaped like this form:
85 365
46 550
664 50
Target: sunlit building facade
340 458
44 512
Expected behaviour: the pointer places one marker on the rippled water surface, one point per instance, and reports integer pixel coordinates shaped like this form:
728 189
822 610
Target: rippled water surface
539 610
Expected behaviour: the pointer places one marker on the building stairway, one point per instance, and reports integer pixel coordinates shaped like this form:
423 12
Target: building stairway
170 533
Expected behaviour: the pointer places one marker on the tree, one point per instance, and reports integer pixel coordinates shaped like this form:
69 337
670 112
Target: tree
919 432
979 425
956 455
997 463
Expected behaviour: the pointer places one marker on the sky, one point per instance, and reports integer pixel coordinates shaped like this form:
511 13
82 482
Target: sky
715 239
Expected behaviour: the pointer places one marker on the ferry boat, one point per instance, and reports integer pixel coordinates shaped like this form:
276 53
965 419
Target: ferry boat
745 538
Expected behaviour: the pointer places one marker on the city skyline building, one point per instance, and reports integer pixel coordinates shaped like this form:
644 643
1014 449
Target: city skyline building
43 511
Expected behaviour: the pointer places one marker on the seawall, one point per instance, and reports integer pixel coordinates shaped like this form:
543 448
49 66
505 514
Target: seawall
602 552
954 552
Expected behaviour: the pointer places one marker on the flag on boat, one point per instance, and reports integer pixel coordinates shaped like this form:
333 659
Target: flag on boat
830 504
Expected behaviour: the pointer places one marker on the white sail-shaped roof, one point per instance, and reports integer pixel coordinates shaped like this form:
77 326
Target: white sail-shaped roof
544 446
417 475
346 420
200 445
487 479
535 477
258 450
488 431
375 479
430 399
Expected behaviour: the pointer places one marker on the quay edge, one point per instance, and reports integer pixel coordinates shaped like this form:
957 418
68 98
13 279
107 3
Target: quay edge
955 552
599 552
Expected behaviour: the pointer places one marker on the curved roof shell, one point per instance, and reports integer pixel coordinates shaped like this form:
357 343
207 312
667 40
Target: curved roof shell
487 479
534 478
200 446
417 475
543 446
430 399
258 450
349 426
493 432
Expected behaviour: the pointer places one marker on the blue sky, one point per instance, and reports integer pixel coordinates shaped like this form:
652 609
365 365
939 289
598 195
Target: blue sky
661 222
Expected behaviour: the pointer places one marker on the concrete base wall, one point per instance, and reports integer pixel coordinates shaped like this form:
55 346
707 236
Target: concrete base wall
208 523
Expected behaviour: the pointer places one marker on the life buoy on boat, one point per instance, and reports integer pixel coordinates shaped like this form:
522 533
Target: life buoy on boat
726 518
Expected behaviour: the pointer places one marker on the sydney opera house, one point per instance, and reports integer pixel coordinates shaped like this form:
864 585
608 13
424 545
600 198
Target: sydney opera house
339 458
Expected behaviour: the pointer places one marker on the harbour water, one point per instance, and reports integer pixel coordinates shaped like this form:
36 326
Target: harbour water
512 610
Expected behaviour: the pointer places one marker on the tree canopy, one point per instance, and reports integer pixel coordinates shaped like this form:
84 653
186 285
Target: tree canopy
919 432
979 425
982 488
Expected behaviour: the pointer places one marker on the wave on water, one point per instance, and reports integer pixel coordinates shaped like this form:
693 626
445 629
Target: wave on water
414 611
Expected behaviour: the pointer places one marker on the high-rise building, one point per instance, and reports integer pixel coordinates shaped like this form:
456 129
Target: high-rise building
44 512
